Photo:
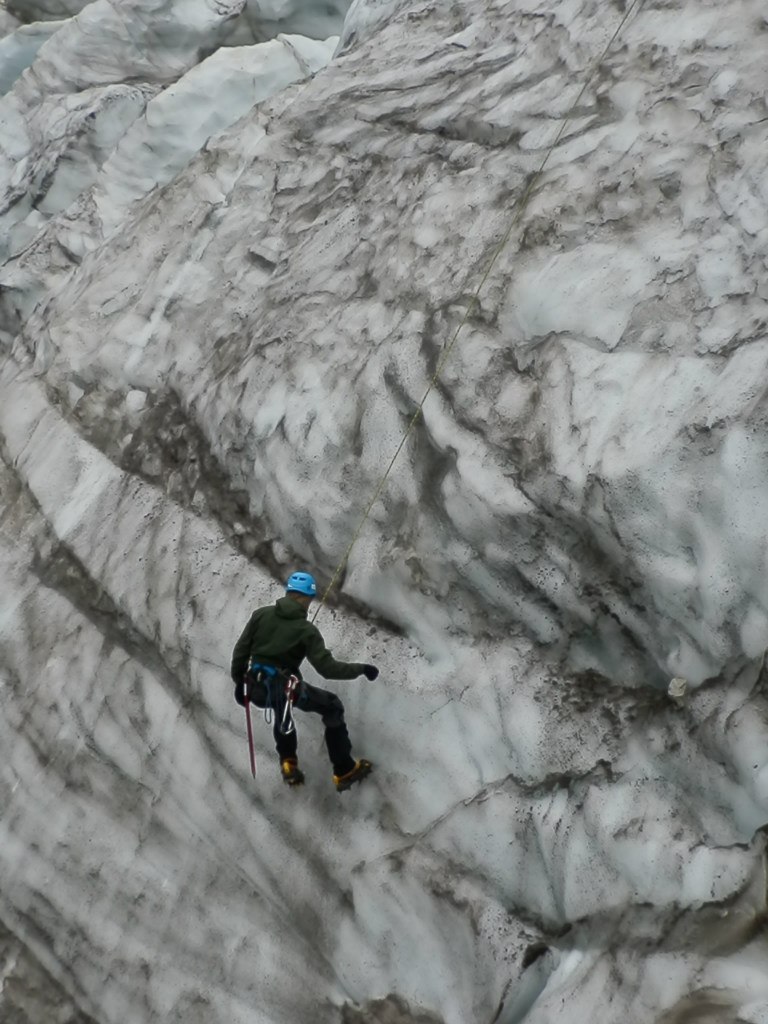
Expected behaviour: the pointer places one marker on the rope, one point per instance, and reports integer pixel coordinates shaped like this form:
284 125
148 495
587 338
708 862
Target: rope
445 355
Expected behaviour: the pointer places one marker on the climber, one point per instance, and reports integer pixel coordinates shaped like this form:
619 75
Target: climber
271 647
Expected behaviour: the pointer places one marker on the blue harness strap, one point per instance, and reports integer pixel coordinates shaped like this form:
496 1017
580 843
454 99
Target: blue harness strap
265 674
268 670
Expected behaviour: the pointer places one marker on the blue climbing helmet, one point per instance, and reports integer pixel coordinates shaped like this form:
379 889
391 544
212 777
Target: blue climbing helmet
302 583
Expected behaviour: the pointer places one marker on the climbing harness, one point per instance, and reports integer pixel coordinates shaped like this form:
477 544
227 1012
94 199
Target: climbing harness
474 300
279 700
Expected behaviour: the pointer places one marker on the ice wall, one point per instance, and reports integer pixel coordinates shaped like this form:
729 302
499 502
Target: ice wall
218 318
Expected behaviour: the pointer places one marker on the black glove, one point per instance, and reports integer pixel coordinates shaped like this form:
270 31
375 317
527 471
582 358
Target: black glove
370 671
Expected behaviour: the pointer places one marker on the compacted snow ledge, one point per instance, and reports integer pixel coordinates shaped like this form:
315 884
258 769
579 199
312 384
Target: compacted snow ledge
223 299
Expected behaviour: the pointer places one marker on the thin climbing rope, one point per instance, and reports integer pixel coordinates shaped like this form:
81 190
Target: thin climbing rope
514 221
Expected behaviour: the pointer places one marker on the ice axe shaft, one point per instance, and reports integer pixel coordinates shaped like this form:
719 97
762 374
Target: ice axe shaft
247 702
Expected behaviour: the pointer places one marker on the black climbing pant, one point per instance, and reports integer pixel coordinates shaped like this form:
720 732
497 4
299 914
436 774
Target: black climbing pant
313 699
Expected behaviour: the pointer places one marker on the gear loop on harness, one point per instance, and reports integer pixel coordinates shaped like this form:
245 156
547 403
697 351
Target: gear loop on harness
287 725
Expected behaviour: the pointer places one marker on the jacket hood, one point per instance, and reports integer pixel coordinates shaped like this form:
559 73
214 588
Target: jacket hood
287 608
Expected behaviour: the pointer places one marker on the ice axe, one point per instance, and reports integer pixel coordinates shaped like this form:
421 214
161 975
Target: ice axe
247 703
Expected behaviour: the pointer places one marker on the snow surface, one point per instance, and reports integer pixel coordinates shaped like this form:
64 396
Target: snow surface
228 276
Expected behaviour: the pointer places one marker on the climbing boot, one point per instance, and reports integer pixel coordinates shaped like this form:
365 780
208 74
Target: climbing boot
292 774
357 774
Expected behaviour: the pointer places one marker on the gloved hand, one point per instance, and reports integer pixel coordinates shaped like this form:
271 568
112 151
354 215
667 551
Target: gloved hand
370 671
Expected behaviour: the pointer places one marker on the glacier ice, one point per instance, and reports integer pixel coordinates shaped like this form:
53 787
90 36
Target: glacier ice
365 17
229 271
33 11
258 21
18 50
263 19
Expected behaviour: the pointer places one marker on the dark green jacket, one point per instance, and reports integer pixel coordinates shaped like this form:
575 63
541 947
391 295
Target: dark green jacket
281 635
